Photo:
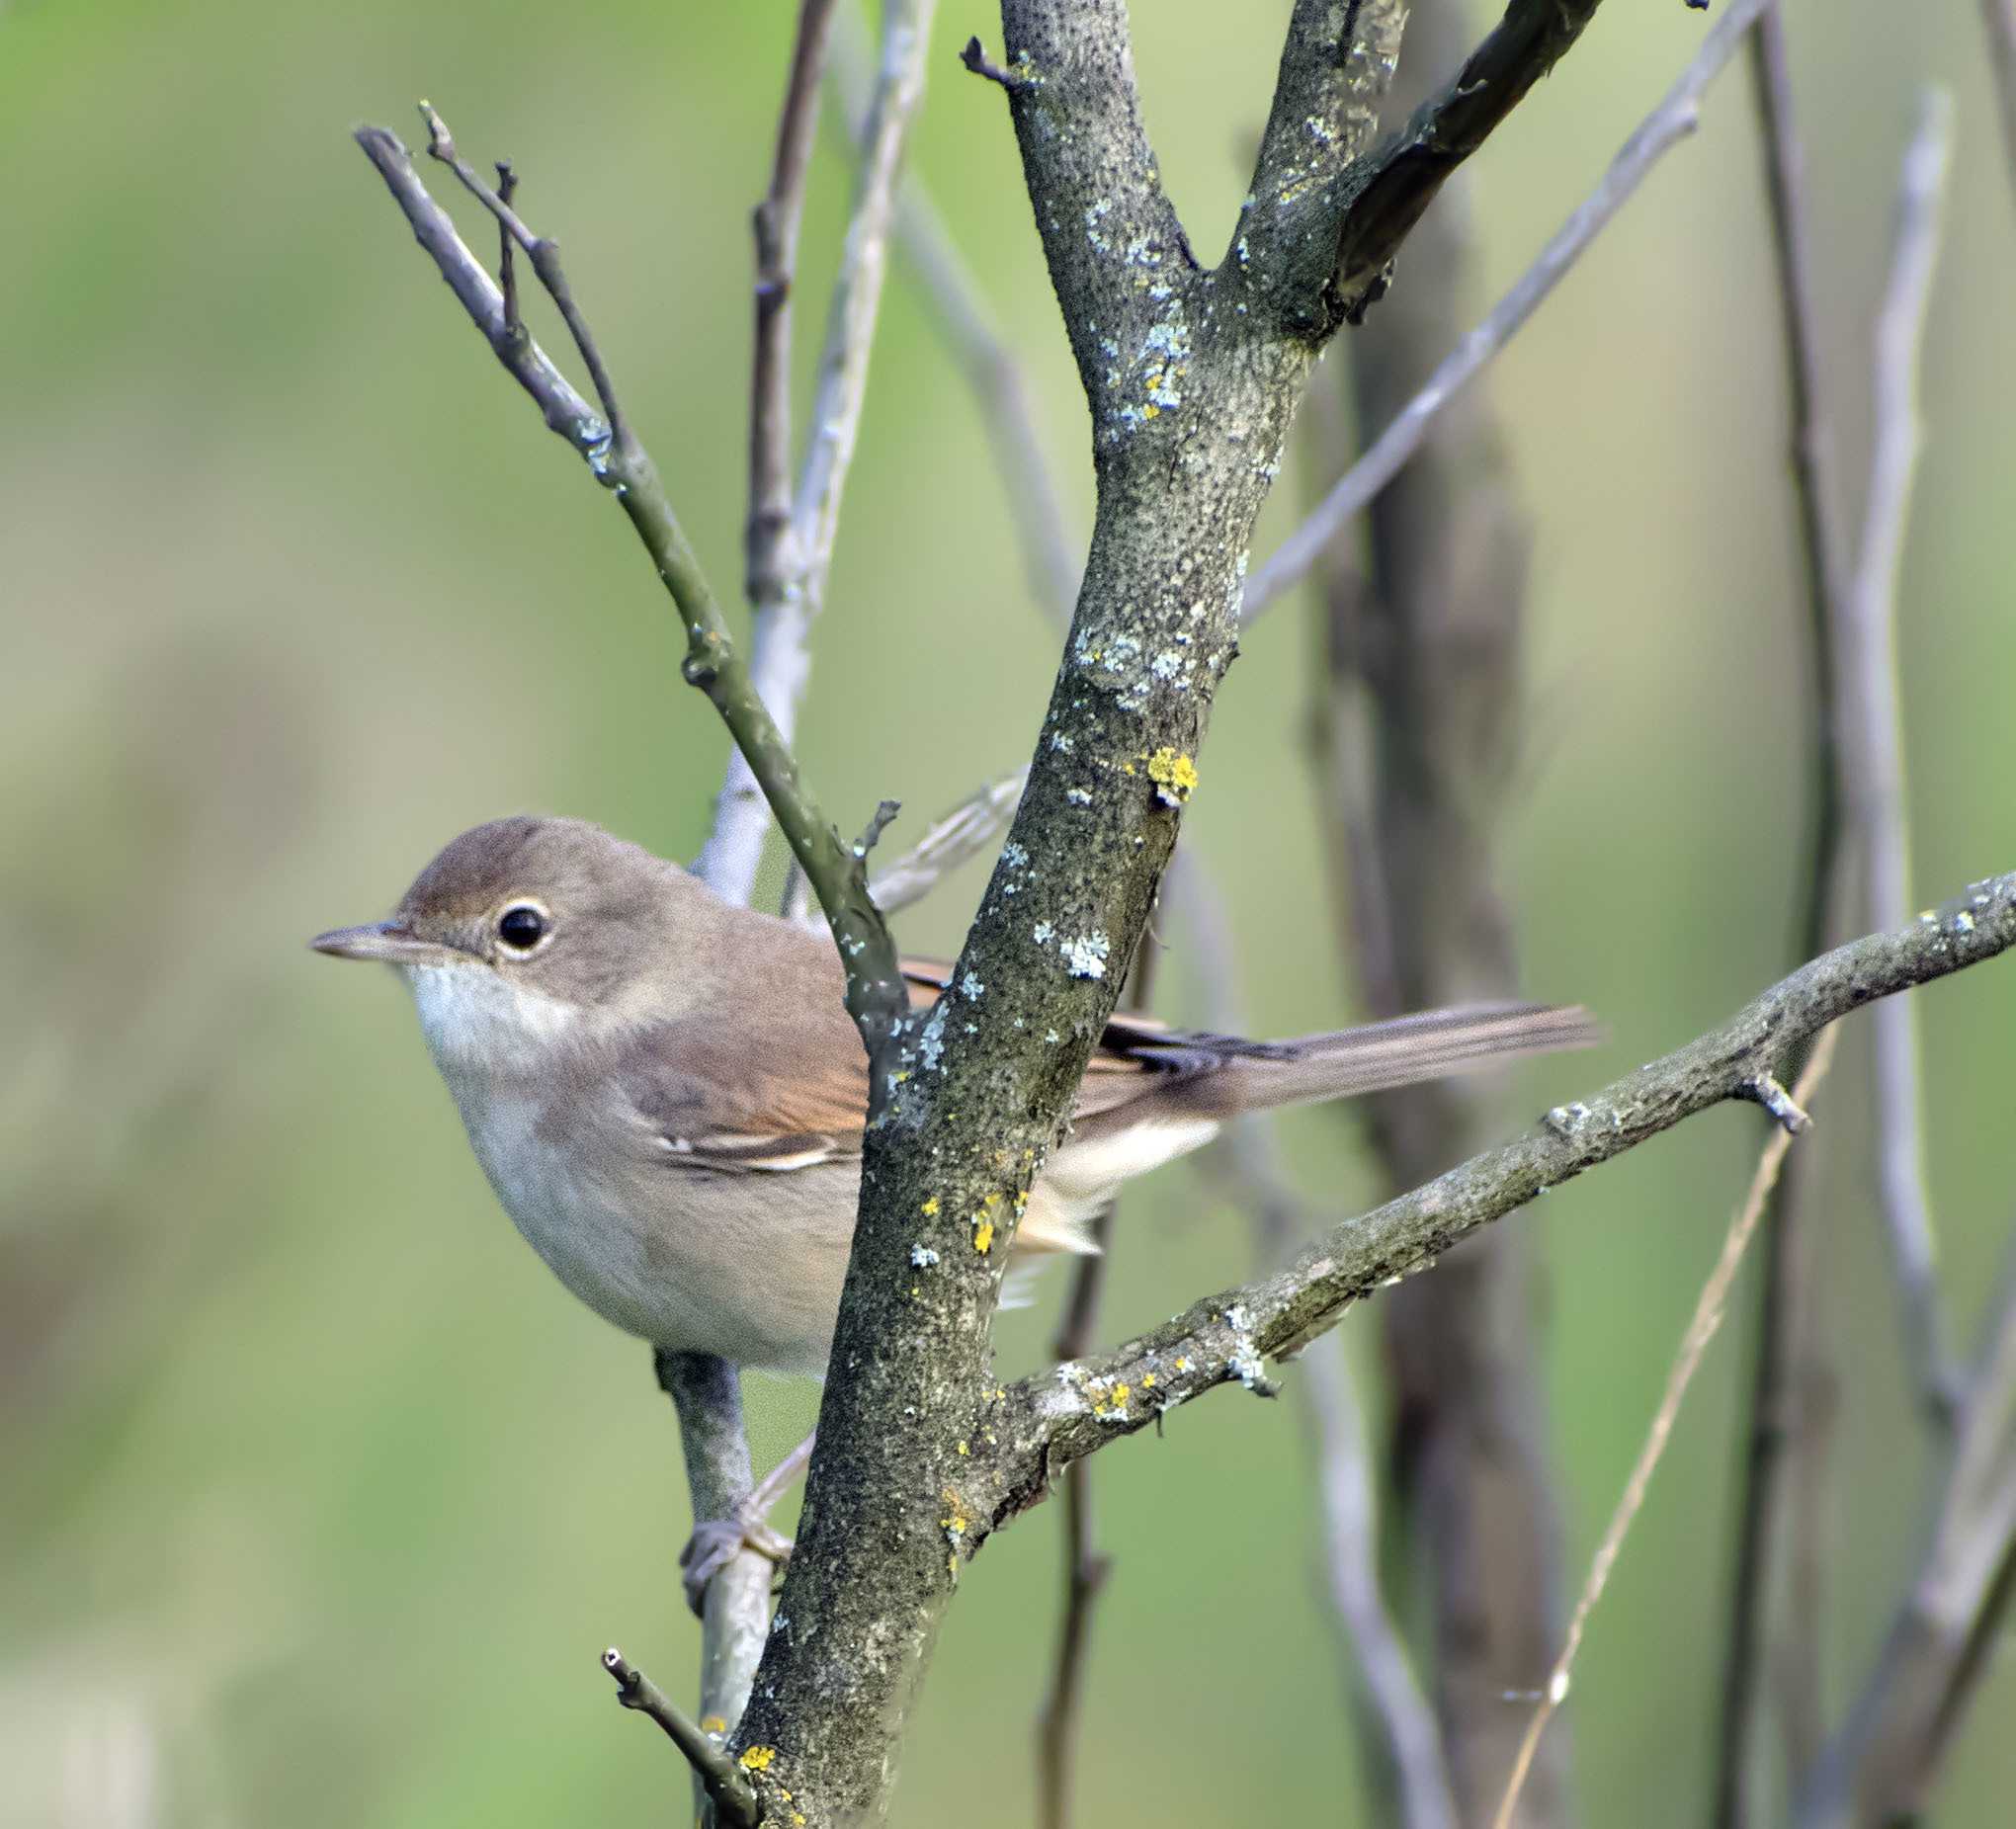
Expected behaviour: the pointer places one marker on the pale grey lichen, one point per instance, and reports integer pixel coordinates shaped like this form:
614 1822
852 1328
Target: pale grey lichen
1085 957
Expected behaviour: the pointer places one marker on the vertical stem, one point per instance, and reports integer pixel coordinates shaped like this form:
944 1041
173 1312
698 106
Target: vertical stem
1423 660
1792 1388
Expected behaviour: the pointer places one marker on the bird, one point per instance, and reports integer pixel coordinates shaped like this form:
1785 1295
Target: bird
668 1097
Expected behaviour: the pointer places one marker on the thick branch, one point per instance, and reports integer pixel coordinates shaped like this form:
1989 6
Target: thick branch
875 995
1043 1424
1384 194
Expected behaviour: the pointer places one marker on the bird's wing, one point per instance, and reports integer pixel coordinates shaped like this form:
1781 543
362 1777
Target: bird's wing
717 1093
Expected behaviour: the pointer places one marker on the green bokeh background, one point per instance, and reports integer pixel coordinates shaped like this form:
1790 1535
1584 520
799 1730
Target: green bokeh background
318 1498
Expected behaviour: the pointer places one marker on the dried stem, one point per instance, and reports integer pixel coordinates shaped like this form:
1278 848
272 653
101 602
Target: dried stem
1784 1462
794 580
1876 738
1707 1314
1663 129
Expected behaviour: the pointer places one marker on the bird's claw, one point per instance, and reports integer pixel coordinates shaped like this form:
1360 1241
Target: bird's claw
717 1541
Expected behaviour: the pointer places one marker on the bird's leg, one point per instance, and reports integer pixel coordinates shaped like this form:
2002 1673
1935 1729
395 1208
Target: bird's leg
717 1542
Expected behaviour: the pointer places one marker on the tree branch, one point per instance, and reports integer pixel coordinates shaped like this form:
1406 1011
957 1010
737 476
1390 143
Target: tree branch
1875 733
1663 129
1784 1462
1045 1424
797 560
1191 400
1384 194
875 994
1051 551
727 1789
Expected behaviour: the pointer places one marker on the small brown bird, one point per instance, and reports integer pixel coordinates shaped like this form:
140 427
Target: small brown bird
668 1096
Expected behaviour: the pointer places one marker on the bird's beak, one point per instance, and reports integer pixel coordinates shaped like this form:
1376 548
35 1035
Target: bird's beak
387 941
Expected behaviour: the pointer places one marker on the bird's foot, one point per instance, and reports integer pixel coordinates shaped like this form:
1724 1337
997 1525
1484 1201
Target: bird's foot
717 1541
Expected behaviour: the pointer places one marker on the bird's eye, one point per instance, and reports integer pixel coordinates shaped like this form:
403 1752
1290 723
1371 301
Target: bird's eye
521 928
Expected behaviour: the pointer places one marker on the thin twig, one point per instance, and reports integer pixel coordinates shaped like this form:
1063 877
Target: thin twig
1999 19
1051 555
1785 1458
960 833
1707 1314
776 221
780 655
876 993
1667 124
733 1799
1876 740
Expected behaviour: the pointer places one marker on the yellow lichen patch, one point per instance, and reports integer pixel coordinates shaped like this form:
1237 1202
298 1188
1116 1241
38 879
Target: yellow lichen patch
1147 1381
758 1758
713 1724
1120 1396
931 1207
1173 773
962 1447
983 1235
1183 1365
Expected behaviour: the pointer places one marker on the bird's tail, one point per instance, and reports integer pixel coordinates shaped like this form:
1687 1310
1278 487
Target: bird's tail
1218 1076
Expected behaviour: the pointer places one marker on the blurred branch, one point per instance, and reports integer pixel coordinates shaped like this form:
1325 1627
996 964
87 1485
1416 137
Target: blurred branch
1668 123
1883 1766
959 310
796 559
1785 1459
1043 1424
1998 18
1249 1170
1707 1314
1875 732
875 995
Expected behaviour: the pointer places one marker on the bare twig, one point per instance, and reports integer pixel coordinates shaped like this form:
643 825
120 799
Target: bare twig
1881 1767
1998 17
719 1777
796 584
1665 127
875 995
1256 1177
1707 1314
1785 1458
1876 738
776 223
1051 551
962 833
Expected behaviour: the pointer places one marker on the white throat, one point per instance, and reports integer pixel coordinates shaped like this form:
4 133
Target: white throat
479 1023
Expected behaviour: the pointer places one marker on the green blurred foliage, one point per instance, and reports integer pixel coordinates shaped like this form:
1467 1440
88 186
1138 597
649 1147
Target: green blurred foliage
317 1497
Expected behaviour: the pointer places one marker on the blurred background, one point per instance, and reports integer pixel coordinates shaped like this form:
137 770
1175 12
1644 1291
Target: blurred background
319 1497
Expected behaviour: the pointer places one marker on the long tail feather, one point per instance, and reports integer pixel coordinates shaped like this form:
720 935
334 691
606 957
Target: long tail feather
1218 1076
